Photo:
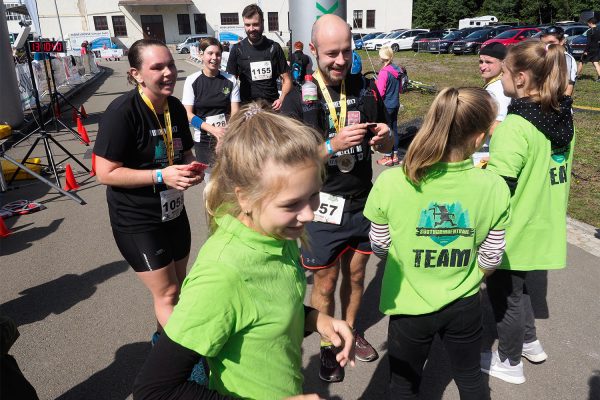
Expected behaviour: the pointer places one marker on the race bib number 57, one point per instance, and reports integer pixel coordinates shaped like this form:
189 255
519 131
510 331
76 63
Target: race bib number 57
261 70
330 209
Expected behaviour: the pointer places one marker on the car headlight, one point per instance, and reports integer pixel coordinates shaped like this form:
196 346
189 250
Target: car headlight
469 44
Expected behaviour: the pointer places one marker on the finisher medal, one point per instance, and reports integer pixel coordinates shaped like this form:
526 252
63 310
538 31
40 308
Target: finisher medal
345 162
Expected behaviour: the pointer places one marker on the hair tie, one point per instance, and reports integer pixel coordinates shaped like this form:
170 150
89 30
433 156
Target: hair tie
253 109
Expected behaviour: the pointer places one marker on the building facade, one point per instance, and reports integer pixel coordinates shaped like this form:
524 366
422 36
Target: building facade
174 20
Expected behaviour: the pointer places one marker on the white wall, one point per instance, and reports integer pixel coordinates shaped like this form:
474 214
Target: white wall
389 14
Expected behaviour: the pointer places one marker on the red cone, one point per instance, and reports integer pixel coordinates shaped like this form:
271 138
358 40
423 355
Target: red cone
82 131
93 171
82 111
71 183
4 232
74 115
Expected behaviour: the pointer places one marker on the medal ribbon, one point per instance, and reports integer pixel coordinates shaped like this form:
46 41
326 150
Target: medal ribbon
340 122
167 132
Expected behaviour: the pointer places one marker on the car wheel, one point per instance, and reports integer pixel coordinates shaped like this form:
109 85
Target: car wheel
395 47
185 50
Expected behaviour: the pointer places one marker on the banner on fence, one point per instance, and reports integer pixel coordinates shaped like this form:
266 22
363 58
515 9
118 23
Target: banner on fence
111 53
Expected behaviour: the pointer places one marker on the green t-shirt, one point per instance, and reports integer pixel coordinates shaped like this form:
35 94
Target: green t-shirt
241 306
435 231
537 236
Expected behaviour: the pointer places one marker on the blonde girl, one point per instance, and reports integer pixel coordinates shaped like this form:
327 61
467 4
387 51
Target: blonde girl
439 223
241 306
533 150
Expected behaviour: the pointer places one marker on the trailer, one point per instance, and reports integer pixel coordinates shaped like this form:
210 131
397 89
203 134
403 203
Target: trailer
477 21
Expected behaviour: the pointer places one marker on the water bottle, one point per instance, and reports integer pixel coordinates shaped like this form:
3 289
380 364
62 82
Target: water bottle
309 90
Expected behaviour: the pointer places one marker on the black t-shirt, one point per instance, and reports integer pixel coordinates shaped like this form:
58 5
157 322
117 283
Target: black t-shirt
593 37
212 96
362 96
247 61
129 133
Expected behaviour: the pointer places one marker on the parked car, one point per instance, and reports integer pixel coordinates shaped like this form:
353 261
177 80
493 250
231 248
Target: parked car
361 39
513 36
405 40
371 43
184 47
376 44
577 45
570 30
473 42
421 40
447 41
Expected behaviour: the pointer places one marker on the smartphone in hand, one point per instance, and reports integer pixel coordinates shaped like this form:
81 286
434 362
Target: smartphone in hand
197 167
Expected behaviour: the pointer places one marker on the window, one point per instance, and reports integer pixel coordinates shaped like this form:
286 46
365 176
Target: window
200 23
358 19
273 19
13 16
230 19
183 22
119 25
370 18
100 23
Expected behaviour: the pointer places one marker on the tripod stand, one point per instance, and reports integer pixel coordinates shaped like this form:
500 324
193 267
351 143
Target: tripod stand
54 104
47 139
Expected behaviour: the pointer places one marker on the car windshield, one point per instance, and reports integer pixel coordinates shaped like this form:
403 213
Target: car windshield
507 34
477 34
370 36
381 36
452 35
393 35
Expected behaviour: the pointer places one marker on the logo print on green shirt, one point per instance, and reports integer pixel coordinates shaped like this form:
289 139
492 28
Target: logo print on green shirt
444 223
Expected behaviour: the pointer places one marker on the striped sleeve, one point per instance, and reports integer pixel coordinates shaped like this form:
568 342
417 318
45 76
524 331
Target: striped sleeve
491 250
380 239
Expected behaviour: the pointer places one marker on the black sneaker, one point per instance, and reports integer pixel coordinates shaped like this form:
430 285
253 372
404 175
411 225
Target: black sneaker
330 370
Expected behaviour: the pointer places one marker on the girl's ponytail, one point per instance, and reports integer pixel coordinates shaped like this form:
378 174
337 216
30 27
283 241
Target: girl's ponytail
553 86
454 117
429 145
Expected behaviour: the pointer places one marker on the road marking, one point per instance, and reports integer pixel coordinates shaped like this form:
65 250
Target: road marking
586 108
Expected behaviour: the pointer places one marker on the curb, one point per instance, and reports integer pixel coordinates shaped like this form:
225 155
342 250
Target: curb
584 236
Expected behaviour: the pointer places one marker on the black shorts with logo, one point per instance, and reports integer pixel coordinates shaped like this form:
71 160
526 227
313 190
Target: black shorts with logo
156 248
328 242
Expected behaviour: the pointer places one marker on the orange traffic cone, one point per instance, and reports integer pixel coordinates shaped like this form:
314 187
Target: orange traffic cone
70 182
74 115
93 171
82 131
4 232
82 111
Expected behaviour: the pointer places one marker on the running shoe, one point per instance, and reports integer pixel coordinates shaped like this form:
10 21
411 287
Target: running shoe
491 365
363 351
386 161
534 352
330 371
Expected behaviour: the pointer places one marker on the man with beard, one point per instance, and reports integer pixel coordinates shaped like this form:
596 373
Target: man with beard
349 113
258 62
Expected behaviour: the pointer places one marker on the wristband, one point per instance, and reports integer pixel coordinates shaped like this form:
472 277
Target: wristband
196 122
159 177
329 147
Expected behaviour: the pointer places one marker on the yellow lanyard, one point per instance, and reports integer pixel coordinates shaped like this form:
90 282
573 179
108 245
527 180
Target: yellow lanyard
167 132
496 79
340 122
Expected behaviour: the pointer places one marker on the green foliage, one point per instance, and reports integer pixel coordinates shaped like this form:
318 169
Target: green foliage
434 14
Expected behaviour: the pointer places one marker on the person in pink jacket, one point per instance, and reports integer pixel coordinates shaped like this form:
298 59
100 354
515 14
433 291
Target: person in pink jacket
388 84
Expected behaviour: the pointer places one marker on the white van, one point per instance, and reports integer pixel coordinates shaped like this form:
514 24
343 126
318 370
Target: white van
184 47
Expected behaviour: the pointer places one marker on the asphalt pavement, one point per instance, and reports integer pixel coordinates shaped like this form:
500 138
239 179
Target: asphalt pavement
86 320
